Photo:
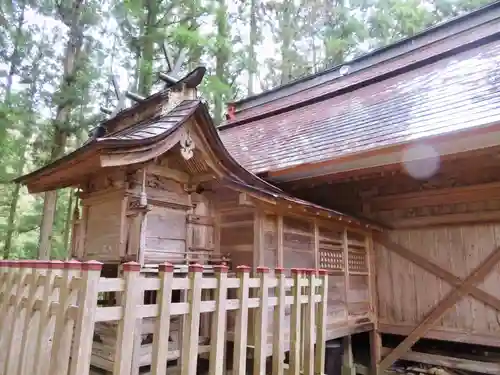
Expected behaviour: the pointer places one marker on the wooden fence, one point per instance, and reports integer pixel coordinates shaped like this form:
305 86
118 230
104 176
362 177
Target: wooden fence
48 311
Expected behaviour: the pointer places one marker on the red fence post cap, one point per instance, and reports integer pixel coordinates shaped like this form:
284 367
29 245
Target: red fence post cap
221 268
166 267
297 271
131 267
195 268
243 269
92 265
72 265
279 270
262 269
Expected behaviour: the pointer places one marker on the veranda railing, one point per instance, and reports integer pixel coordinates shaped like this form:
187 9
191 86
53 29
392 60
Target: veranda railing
48 311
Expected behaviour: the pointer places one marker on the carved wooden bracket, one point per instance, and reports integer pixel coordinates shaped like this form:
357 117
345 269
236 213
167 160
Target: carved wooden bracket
187 145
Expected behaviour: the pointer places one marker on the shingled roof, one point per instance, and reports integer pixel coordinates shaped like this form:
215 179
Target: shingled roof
150 139
457 92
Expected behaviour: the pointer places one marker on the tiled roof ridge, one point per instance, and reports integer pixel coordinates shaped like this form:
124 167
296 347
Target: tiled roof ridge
453 94
467 39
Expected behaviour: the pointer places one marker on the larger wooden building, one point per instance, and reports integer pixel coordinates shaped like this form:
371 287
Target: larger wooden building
409 137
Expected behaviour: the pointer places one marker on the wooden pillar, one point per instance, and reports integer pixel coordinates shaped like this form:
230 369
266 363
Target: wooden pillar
345 246
280 235
375 337
348 367
347 357
316 245
258 239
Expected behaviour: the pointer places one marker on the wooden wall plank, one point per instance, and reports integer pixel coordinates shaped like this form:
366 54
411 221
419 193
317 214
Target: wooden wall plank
475 277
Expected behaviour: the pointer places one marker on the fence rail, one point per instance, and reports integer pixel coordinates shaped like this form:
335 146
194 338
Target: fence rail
49 310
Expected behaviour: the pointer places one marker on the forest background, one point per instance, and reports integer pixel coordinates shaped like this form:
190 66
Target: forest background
57 59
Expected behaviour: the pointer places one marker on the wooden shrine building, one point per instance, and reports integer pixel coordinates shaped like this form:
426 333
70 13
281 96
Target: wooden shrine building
384 171
158 185
408 137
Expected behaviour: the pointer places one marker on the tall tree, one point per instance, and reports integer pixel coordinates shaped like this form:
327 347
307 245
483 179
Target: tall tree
222 54
77 15
26 122
12 54
254 39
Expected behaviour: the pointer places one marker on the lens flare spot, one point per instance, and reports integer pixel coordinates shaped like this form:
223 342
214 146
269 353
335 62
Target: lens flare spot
421 161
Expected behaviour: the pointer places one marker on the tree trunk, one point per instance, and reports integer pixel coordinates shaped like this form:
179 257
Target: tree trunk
14 58
72 51
286 45
68 226
50 198
252 58
11 220
14 61
146 66
221 57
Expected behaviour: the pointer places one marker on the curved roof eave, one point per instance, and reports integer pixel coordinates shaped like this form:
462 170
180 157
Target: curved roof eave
237 174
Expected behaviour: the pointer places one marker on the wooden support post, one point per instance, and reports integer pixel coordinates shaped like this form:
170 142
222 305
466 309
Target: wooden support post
258 238
142 238
191 334
126 327
12 336
280 232
11 275
31 319
375 339
87 307
4 272
316 245
347 357
444 305
82 232
241 326
46 330
218 336
310 324
63 333
261 324
295 324
258 256
345 246
279 323
162 324
319 367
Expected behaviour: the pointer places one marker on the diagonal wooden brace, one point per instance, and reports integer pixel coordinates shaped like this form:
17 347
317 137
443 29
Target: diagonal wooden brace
444 305
422 262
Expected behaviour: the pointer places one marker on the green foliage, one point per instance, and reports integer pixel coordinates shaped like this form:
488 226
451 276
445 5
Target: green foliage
247 46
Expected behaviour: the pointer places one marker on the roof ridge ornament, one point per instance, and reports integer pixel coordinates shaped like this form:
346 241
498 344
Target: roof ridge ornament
184 89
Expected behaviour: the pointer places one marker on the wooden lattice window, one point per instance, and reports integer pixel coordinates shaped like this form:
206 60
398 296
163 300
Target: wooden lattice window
331 259
357 261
